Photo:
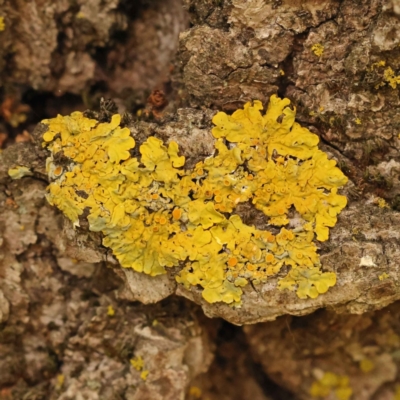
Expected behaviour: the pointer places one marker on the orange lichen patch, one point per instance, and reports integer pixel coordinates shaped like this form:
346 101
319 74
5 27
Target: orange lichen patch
269 258
177 213
250 267
155 215
163 220
232 261
58 170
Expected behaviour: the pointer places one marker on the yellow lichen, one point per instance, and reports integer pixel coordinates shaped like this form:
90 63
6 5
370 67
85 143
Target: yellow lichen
155 214
318 49
110 311
378 64
381 203
383 276
366 365
137 363
357 121
60 380
396 395
330 382
195 392
2 24
389 76
19 172
144 374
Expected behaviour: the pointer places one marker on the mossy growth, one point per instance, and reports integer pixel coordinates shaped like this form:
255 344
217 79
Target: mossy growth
154 214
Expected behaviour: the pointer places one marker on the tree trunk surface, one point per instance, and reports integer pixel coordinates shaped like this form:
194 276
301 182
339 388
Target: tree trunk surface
74 324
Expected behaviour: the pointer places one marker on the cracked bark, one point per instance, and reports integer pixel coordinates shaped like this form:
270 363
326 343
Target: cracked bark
58 338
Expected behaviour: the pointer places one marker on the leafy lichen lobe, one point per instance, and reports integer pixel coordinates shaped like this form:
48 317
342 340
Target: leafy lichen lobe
155 214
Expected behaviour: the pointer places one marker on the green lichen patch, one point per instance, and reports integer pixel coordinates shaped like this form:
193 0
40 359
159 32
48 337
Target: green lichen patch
155 214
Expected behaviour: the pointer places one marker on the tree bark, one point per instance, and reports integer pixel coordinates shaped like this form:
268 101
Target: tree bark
74 325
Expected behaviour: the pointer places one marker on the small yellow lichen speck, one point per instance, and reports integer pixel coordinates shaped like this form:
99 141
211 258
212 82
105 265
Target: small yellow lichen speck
281 72
155 214
330 382
357 121
195 392
137 363
144 374
383 276
382 203
318 49
60 381
366 365
2 24
110 311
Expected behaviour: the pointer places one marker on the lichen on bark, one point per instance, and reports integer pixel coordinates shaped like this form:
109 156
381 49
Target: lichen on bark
57 283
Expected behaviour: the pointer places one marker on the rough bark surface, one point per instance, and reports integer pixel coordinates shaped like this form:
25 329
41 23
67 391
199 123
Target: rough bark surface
68 46
73 325
295 352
